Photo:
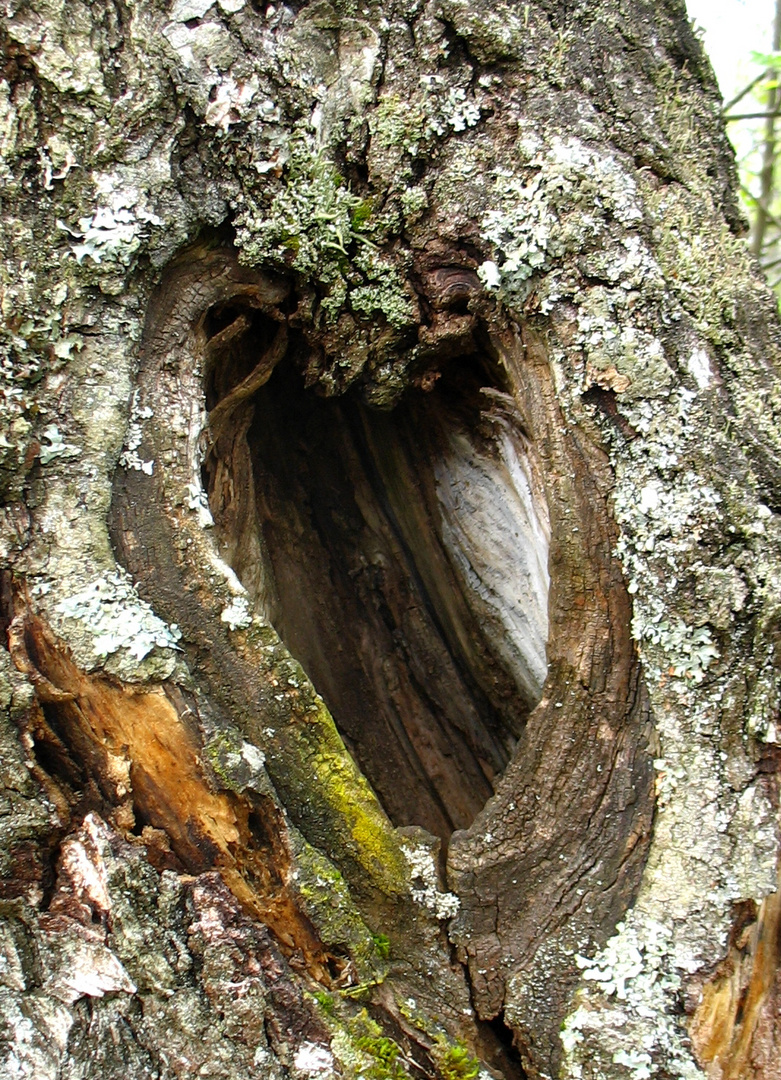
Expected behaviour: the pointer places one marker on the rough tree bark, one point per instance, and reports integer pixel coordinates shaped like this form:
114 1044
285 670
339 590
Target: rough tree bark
407 354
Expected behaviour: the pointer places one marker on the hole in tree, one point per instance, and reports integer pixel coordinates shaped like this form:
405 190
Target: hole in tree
510 1056
402 558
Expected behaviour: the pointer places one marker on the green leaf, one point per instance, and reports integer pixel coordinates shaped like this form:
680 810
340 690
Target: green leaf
768 60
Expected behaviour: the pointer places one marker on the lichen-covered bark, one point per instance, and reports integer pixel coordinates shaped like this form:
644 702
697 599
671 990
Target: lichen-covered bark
517 222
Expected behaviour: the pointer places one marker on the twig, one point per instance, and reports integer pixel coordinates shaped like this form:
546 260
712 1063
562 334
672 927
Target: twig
763 206
751 116
247 387
770 265
743 92
767 172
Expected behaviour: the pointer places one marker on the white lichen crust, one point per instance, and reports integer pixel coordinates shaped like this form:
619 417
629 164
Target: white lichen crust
420 850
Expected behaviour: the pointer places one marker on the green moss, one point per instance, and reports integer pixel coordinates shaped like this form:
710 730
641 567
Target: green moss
368 1052
362 1049
400 124
325 1002
384 1055
331 908
354 808
684 117
361 214
454 1061
319 783
382 945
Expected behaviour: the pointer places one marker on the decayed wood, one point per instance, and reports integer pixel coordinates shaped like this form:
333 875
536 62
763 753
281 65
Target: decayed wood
735 1026
146 763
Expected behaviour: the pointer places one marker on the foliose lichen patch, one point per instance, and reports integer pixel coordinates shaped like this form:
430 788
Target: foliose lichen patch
118 621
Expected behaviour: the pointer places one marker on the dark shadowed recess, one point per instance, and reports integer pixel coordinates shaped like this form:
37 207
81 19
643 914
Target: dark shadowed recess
402 557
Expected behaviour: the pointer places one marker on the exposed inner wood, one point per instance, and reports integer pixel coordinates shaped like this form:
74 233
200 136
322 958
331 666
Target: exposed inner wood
137 754
557 854
402 556
735 1027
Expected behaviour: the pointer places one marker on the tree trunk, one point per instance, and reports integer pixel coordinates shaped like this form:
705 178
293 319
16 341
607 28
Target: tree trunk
390 491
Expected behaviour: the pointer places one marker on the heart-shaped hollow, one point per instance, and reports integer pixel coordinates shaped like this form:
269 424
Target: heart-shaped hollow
401 555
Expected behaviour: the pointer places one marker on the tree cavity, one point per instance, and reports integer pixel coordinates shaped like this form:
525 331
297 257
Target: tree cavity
401 556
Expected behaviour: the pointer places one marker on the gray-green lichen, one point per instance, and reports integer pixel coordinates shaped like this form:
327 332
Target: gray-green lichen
316 226
309 223
659 307
118 620
631 1023
420 851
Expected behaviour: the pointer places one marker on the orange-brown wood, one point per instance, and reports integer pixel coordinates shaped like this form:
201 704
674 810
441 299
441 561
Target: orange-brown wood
146 760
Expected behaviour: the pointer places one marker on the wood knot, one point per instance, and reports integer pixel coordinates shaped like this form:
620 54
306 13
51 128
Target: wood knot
451 286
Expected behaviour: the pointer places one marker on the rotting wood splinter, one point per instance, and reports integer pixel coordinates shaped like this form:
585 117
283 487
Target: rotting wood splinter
146 763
